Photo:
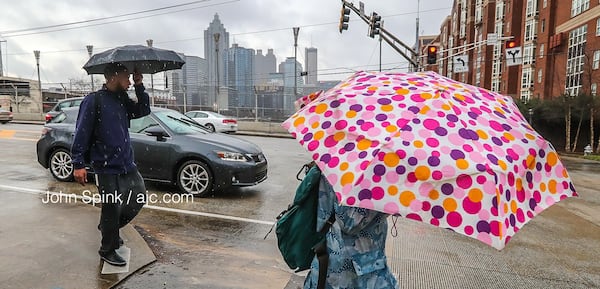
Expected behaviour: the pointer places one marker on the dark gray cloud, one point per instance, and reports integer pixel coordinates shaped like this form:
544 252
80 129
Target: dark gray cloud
63 52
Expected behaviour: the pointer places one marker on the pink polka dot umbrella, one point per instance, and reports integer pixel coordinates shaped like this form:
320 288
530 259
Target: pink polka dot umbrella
434 150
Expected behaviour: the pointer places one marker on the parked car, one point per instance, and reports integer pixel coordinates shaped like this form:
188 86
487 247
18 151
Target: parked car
168 147
214 121
5 116
69 102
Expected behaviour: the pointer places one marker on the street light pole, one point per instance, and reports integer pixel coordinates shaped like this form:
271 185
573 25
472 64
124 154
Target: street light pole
90 48
1 66
296 30
217 36
36 53
149 42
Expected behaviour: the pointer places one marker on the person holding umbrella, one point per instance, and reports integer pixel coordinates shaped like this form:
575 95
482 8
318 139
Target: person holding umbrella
102 140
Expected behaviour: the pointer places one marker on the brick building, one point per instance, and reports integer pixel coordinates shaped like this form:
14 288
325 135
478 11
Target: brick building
559 44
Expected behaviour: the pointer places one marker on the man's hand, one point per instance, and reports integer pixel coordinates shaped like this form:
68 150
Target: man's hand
80 176
137 77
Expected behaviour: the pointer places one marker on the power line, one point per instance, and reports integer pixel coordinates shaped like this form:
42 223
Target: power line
100 19
117 21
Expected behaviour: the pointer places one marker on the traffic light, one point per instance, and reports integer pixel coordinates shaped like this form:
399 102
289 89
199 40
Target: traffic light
511 44
374 25
344 18
432 54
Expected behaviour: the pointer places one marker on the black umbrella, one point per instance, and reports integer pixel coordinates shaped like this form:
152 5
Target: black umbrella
145 59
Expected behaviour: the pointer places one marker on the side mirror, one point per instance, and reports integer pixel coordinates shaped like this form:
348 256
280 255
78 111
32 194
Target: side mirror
157 132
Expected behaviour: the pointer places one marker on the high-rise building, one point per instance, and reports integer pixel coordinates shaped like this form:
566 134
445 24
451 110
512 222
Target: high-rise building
189 84
290 91
240 76
216 44
263 66
310 64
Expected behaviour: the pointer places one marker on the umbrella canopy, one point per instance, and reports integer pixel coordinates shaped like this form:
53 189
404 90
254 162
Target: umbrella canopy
146 59
432 149
303 101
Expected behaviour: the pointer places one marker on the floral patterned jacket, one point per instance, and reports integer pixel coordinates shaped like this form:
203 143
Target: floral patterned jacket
356 246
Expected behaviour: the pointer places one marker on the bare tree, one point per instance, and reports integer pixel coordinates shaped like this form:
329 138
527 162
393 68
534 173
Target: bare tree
589 80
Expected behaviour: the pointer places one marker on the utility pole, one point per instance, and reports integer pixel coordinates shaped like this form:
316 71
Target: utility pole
217 36
90 48
149 42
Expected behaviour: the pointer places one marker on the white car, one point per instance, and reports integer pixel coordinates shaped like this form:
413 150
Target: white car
213 121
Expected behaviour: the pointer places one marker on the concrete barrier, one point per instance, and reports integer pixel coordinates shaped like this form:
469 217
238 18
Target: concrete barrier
28 116
260 126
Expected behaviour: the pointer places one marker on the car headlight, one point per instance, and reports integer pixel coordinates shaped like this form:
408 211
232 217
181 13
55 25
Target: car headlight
231 156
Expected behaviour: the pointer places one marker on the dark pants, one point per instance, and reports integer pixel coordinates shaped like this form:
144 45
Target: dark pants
123 196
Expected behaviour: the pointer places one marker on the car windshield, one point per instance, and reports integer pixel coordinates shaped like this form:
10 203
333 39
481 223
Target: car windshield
179 123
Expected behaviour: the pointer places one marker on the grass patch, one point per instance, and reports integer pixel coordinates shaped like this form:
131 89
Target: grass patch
592 157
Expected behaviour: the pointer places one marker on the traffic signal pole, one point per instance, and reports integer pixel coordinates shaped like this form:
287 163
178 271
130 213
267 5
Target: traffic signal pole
385 35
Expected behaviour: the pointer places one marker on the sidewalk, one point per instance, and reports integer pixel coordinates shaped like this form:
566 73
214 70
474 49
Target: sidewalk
55 245
557 249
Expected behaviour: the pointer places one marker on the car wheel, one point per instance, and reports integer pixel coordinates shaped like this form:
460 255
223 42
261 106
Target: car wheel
61 166
210 127
194 177
4 122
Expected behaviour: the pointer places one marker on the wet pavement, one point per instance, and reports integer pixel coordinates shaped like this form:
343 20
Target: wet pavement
55 245
558 249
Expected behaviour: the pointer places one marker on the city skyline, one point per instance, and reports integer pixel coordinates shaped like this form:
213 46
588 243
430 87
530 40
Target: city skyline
258 24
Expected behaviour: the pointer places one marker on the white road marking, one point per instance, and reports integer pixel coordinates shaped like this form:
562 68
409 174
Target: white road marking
151 207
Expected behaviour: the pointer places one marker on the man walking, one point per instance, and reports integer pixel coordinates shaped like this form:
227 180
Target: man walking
102 140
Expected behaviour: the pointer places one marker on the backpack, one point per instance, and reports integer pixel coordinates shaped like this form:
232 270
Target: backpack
297 237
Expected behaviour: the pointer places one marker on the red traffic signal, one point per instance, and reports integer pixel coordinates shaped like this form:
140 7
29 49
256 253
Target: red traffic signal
432 54
511 44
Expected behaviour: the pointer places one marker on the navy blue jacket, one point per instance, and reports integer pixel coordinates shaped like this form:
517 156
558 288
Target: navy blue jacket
103 141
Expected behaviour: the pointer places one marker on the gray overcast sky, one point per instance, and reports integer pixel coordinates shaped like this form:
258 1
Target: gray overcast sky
63 53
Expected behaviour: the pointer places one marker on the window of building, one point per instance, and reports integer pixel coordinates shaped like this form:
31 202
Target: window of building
575 60
531 9
542 50
579 6
596 62
500 10
598 27
539 76
530 33
528 54
463 18
496 85
525 95
543 26
526 79
594 88
479 11
545 3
